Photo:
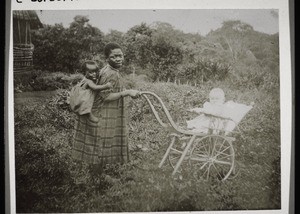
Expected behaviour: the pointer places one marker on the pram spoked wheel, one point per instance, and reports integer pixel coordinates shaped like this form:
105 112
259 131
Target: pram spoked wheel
211 157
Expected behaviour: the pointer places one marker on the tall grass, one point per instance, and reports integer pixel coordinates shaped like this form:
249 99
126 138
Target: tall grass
48 180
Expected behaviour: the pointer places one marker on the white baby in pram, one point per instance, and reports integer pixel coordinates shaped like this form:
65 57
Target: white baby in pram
217 115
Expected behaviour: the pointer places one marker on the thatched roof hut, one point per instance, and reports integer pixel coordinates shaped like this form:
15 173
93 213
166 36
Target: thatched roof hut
23 22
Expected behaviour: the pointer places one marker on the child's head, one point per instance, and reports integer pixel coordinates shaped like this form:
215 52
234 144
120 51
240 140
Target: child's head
114 55
216 96
90 69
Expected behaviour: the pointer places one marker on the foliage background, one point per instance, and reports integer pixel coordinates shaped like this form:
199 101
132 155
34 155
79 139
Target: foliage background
181 68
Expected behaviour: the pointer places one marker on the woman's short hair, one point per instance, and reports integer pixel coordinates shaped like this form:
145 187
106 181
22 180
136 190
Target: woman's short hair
109 47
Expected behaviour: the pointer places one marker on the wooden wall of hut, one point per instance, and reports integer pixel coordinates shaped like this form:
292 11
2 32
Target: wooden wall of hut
21 30
23 58
23 23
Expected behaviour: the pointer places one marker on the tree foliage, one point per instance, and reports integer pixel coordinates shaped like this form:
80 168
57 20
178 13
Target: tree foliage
63 49
235 51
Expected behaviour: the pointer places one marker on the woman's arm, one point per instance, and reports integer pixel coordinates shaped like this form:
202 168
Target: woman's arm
118 95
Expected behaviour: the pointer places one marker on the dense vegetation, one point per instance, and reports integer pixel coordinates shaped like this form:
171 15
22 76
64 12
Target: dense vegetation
164 53
243 62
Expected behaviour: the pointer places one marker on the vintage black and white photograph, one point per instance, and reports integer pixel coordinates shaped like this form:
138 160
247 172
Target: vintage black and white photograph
146 110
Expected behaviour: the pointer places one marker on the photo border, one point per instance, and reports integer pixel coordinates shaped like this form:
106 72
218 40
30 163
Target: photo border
285 72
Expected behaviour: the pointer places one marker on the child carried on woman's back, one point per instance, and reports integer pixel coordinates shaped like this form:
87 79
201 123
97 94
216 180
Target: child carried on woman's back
217 114
83 94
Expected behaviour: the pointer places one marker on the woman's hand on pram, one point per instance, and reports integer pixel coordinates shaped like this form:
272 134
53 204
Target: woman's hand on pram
134 93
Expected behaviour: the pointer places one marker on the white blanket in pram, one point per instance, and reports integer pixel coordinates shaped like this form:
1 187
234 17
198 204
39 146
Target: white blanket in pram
235 112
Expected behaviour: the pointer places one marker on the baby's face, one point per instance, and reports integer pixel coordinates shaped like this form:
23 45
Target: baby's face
91 74
216 100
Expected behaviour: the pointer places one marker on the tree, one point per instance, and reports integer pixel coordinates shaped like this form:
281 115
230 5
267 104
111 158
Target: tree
232 36
46 42
64 49
84 40
115 36
138 45
166 52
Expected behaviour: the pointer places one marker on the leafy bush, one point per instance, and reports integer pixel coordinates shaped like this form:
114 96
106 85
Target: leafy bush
250 76
46 81
41 158
45 171
203 70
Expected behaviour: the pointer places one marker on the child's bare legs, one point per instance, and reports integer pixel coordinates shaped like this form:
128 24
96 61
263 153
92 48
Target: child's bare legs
93 117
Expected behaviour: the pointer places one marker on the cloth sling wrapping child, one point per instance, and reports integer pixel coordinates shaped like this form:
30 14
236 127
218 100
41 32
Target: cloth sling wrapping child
81 98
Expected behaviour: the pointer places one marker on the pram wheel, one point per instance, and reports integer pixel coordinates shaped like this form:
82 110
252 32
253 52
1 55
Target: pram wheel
212 157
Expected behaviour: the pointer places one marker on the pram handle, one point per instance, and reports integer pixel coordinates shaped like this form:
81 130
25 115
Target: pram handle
172 125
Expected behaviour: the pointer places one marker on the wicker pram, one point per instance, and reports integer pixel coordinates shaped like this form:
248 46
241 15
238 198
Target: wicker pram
209 153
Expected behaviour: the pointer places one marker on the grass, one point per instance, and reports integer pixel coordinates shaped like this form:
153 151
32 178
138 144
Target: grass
46 176
32 97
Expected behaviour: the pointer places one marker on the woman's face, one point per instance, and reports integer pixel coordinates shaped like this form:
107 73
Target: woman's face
115 58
